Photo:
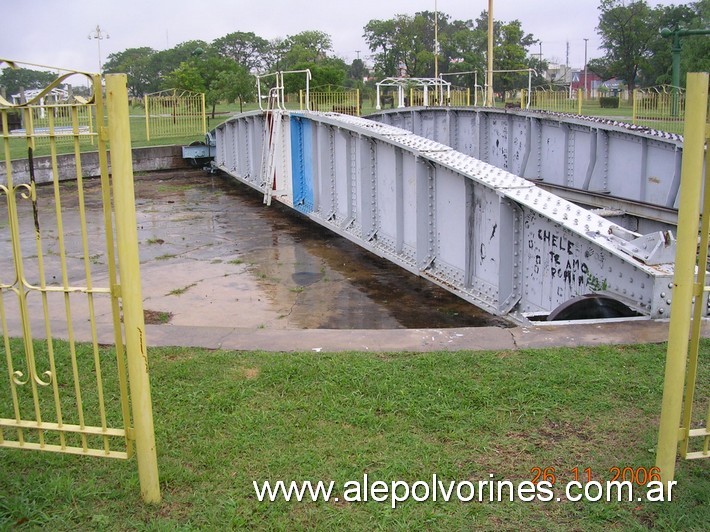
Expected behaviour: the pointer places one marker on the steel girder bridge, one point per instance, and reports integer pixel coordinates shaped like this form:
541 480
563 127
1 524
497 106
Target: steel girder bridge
446 204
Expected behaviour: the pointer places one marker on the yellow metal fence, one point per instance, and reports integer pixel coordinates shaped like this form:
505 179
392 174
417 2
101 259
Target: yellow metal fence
559 101
174 113
59 277
660 108
455 97
345 102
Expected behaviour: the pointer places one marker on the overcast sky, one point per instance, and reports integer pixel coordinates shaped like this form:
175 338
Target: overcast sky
55 33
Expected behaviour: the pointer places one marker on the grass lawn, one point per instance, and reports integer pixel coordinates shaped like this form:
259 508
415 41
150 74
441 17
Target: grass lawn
18 147
225 419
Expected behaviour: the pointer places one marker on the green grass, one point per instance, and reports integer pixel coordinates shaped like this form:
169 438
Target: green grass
18 147
224 419
181 291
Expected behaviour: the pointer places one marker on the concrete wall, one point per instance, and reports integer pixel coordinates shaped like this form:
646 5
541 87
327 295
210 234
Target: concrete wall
144 160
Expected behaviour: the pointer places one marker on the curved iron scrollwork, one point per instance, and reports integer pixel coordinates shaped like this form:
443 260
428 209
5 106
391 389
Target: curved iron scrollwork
48 89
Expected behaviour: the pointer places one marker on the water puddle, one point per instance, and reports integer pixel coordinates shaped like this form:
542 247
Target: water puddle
212 254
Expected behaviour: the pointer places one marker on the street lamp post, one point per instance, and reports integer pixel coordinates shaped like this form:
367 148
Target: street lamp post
585 69
99 35
675 50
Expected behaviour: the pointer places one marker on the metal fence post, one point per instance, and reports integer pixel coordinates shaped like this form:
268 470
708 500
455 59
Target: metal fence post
684 277
147 117
127 244
634 106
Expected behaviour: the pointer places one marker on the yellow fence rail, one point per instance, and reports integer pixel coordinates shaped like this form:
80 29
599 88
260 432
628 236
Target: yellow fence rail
345 102
59 276
679 424
559 101
174 113
660 108
456 97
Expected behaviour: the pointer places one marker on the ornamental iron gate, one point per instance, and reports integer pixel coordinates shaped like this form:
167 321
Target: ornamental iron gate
66 273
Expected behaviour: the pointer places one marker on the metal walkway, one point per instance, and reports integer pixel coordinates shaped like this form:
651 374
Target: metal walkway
599 162
491 237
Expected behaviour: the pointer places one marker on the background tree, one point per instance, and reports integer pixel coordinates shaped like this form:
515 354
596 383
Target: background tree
166 61
234 83
695 54
510 51
378 35
325 76
600 66
306 47
357 70
207 72
626 31
137 63
246 49
15 79
409 40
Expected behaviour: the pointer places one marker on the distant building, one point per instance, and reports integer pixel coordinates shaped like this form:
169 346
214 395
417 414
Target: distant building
593 82
615 87
557 73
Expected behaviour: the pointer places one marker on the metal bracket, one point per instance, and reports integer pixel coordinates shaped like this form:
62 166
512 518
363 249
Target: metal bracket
653 248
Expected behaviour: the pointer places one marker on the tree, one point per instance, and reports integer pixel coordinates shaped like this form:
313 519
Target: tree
246 49
16 79
600 66
357 70
274 54
626 32
219 78
409 40
166 61
233 83
378 35
187 76
138 65
510 51
305 47
695 56
405 40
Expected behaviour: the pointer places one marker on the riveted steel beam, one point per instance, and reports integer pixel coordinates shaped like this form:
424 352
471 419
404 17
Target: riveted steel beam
485 234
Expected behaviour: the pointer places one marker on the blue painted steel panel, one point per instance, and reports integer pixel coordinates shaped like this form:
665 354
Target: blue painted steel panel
302 163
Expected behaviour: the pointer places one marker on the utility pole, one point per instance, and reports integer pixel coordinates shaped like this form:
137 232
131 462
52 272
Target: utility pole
436 39
489 71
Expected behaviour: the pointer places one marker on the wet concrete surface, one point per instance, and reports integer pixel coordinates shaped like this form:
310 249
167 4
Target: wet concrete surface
221 270
213 255
243 264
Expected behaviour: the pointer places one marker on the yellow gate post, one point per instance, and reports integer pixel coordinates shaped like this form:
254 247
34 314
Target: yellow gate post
130 288
669 431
